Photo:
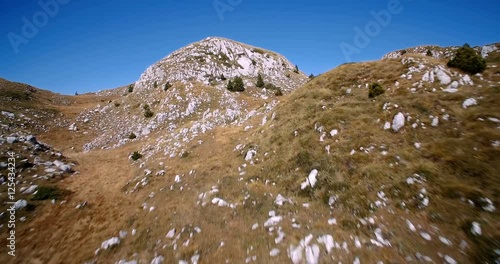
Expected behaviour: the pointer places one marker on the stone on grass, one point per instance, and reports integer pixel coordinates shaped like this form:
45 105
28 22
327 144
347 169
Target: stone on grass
114 241
398 122
469 102
20 204
310 180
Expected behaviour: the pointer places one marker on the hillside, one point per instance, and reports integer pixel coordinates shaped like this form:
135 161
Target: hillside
321 174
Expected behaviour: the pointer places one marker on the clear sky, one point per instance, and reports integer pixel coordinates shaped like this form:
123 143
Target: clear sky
77 45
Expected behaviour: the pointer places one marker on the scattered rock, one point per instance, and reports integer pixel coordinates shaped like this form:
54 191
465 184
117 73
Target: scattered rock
443 77
250 154
274 252
30 189
158 260
73 127
310 180
387 125
20 204
469 102
435 121
426 236
476 229
398 122
114 241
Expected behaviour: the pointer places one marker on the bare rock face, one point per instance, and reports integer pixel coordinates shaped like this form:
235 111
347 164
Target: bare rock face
214 59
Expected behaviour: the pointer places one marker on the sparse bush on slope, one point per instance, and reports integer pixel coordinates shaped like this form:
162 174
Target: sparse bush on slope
467 60
236 85
136 155
375 90
47 193
147 111
260 82
167 86
296 70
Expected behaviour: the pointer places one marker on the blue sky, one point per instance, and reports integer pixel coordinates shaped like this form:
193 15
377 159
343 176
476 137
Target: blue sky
93 45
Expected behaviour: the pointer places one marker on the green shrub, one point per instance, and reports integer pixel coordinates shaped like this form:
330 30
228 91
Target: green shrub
278 92
167 86
47 193
155 84
223 56
260 82
135 156
311 76
132 136
147 111
269 86
130 88
467 60
429 53
296 70
222 77
236 85
375 90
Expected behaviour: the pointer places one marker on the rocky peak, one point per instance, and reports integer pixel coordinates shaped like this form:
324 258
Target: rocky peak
438 52
207 60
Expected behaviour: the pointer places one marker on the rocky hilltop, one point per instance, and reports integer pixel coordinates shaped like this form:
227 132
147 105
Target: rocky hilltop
438 52
207 60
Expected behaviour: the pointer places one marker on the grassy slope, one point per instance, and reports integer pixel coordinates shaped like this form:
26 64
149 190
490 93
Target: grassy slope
457 158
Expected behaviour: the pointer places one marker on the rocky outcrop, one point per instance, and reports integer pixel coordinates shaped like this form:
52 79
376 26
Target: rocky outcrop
210 59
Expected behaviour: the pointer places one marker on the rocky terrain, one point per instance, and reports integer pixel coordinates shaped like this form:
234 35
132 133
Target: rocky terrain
191 173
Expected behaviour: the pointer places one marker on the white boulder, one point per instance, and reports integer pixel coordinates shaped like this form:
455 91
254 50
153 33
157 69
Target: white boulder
398 122
114 241
310 180
469 102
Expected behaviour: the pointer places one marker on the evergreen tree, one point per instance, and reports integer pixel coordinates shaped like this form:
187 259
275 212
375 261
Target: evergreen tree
278 92
238 85
230 86
130 88
311 76
155 85
296 70
260 82
222 77
167 86
466 59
